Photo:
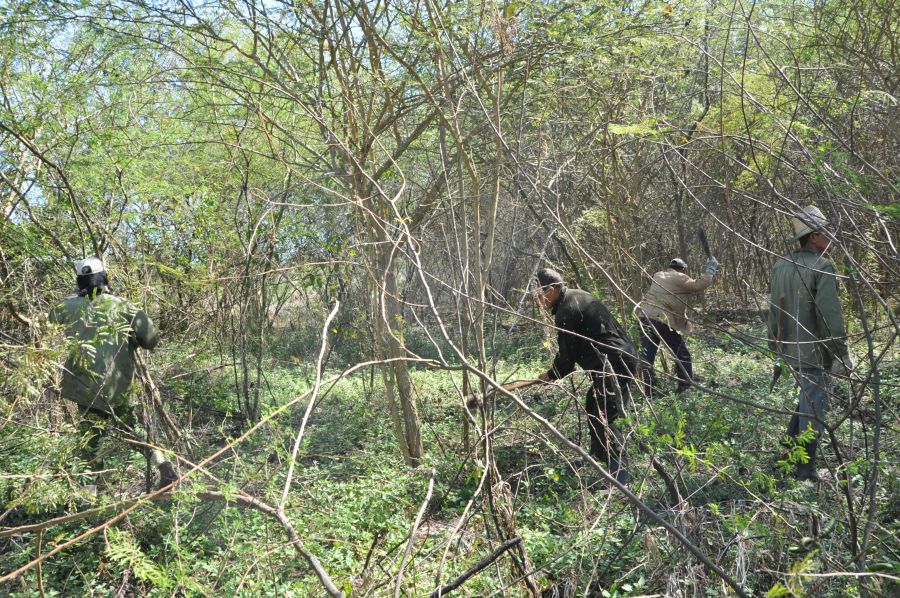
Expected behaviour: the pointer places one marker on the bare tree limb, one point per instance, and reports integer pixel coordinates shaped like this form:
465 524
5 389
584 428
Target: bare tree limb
412 533
475 569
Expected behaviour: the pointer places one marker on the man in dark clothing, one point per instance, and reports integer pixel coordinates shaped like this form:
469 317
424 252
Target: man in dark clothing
105 332
589 335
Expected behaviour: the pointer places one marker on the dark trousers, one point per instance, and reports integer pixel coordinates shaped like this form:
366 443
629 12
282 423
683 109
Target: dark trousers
603 408
96 424
654 333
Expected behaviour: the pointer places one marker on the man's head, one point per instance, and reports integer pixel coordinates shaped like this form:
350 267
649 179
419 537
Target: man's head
91 276
809 229
549 287
678 264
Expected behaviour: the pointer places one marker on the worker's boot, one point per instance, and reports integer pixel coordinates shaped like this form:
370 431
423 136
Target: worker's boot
619 470
616 468
167 474
807 471
616 461
685 383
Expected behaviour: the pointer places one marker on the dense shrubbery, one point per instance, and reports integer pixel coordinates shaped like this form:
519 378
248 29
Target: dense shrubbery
388 176
353 501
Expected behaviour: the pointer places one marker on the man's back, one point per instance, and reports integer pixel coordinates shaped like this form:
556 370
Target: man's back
104 332
584 315
805 319
667 298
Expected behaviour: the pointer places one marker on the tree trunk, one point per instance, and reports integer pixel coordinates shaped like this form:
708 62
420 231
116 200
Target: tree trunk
389 334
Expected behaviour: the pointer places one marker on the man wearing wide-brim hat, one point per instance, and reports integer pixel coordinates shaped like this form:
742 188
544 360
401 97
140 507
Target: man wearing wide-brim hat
806 327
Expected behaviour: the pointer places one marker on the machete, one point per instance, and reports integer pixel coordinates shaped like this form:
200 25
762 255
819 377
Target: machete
779 332
704 242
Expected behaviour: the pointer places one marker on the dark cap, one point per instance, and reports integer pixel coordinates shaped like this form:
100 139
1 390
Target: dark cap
678 264
548 276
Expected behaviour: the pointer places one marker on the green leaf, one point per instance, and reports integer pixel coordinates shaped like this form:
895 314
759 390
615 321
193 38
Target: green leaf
639 129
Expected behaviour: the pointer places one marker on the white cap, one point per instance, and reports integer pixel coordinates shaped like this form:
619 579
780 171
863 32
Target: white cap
677 262
807 220
89 265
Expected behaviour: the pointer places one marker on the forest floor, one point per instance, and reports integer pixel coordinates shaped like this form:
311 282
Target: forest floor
353 501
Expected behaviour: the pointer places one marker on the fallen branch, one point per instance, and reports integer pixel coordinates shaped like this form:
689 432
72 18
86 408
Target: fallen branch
473 399
475 569
241 499
296 542
309 407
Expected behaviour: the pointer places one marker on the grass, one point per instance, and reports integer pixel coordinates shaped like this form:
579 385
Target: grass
353 502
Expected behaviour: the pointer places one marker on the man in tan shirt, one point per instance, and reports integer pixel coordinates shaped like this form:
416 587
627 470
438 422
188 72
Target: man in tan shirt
663 317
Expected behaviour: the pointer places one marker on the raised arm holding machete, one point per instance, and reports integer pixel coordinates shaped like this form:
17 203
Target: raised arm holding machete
704 243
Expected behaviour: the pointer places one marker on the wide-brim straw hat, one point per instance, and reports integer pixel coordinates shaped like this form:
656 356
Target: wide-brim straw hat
808 220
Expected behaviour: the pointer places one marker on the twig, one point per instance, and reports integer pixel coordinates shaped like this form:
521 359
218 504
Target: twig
123 589
309 407
40 574
412 533
475 569
171 428
837 574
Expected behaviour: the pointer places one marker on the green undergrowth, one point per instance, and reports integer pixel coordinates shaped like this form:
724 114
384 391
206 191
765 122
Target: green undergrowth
352 501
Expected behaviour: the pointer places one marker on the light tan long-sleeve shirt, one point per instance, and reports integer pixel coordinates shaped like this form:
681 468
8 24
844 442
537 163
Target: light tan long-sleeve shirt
667 299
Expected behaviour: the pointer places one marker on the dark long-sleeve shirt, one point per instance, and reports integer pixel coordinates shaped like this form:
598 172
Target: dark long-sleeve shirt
587 332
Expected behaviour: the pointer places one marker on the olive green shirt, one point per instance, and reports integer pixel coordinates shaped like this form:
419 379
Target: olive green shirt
806 326
104 333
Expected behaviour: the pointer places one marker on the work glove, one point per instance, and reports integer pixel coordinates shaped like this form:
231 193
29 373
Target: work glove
712 265
842 366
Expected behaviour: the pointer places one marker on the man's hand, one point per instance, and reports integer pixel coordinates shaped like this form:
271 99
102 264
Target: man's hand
712 265
843 366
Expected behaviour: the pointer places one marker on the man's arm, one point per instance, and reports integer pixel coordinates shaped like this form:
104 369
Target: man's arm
564 362
690 285
561 368
828 309
145 332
